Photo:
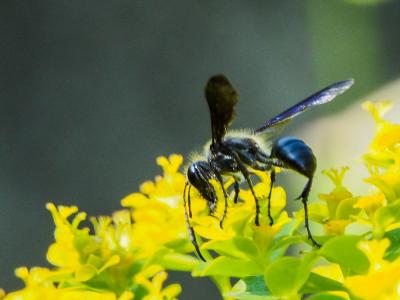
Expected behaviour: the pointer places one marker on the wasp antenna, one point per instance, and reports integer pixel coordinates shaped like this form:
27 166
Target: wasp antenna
191 232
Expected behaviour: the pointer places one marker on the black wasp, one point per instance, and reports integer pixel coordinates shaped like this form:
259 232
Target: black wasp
236 156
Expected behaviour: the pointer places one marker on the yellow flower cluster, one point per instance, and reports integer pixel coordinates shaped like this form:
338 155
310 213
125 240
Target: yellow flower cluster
126 256
121 257
375 216
380 282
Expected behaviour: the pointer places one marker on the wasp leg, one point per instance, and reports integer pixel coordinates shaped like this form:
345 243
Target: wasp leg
252 161
272 176
212 206
237 189
270 164
246 175
267 167
221 222
271 161
221 182
191 232
189 202
304 199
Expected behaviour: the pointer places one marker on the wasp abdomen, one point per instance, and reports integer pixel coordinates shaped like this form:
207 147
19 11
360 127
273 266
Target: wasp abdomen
296 154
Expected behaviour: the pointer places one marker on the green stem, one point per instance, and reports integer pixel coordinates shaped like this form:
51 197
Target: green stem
223 284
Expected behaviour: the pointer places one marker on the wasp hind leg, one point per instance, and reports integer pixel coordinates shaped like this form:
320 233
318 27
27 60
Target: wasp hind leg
272 181
270 164
221 221
236 189
190 229
304 199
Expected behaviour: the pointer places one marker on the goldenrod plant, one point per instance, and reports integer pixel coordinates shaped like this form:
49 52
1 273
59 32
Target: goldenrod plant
127 255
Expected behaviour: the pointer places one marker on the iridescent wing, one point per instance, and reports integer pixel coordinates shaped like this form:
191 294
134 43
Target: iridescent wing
321 97
221 98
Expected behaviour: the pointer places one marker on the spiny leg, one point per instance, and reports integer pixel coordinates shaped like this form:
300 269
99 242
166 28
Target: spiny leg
271 161
221 222
258 161
212 209
189 202
268 167
304 199
246 175
270 164
272 176
237 189
221 182
250 184
191 232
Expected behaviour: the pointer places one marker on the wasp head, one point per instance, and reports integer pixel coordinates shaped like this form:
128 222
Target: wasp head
199 175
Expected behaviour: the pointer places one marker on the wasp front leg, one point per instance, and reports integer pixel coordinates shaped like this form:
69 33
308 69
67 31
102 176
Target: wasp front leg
199 175
190 229
218 175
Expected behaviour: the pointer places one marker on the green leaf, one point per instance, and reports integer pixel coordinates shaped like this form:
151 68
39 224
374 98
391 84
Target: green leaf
317 283
85 272
287 230
113 260
198 271
318 212
245 296
238 247
345 208
179 245
383 186
325 297
177 262
394 250
286 276
250 288
95 261
231 267
343 250
246 246
279 248
256 285
387 215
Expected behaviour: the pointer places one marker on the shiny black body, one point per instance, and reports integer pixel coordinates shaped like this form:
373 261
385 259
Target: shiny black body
237 156
296 155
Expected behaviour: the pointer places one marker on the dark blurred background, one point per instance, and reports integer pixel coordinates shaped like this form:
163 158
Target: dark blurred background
91 92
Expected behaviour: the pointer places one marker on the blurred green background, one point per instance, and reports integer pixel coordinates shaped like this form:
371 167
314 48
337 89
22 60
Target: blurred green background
91 92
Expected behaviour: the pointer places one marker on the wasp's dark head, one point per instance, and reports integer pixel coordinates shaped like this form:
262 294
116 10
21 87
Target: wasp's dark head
199 175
